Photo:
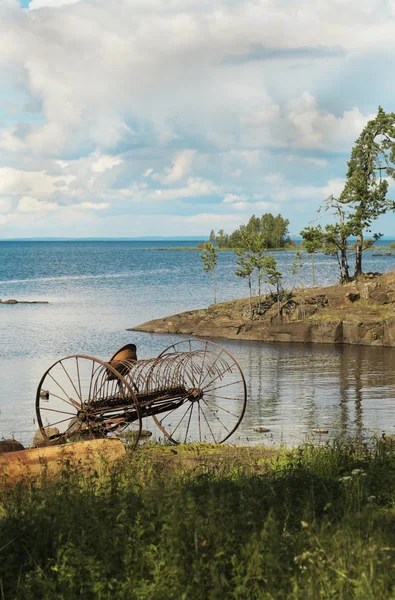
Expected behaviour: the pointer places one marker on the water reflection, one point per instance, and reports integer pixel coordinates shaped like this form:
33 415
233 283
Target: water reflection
293 389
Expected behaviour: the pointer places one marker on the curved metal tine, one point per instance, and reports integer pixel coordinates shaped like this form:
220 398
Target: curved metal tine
79 379
180 421
189 358
187 374
57 411
90 383
211 367
208 424
195 369
58 422
202 367
189 422
69 400
69 378
222 397
218 419
227 369
228 411
219 387
167 414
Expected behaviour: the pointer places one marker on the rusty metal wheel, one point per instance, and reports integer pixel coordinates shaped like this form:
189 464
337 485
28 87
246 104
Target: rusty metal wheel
82 397
217 394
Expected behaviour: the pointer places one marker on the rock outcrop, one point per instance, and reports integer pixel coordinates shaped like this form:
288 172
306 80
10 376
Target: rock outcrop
13 301
10 446
361 312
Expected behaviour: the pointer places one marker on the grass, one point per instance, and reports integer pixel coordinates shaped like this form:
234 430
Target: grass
315 523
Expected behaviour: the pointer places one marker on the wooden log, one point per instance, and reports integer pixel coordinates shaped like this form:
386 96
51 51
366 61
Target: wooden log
88 456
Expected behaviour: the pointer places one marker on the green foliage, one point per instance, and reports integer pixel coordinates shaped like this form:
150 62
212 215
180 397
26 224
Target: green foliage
312 242
272 232
271 275
312 239
392 245
209 260
316 523
297 266
209 257
245 268
365 192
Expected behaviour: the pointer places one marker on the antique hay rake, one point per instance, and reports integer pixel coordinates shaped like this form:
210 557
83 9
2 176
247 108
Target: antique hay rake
194 390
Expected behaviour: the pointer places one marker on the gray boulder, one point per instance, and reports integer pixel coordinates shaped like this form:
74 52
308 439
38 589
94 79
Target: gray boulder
38 440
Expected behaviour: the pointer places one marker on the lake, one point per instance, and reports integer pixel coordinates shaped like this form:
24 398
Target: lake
97 289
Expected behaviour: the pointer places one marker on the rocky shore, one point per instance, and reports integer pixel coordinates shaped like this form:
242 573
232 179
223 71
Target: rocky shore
361 312
13 301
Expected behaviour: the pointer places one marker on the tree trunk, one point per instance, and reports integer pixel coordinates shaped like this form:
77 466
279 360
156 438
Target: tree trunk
312 268
344 273
215 287
358 255
259 287
249 285
278 300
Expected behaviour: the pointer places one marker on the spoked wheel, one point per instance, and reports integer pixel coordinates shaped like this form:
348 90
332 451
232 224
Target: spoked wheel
82 397
216 395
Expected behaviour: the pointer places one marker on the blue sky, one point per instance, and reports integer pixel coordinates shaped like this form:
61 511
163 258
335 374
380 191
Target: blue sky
150 117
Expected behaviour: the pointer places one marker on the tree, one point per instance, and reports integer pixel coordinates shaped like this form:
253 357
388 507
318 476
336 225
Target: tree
365 192
272 276
245 270
258 250
212 237
221 238
335 237
312 241
274 231
297 266
209 259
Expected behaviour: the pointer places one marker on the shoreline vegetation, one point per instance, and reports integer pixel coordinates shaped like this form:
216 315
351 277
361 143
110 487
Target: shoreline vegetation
206 522
361 312
289 248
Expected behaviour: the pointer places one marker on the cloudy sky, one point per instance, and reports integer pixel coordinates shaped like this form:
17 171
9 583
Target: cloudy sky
127 118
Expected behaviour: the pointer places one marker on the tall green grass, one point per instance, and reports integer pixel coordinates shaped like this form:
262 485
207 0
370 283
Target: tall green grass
317 523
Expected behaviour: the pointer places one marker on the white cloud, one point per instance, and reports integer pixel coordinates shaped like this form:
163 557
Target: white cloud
181 165
310 192
320 129
28 204
35 183
179 104
34 4
5 205
105 162
230 198
274 179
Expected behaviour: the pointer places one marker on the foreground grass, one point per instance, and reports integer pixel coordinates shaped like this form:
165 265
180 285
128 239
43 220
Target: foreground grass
315 523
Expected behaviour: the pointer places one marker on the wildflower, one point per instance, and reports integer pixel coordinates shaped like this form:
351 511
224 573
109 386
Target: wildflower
304 524
345 478
371 498
356 472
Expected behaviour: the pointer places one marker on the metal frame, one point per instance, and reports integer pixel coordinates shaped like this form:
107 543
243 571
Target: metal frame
195 386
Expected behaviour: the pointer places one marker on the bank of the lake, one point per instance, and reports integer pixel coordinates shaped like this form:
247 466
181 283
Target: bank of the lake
202 523
361 312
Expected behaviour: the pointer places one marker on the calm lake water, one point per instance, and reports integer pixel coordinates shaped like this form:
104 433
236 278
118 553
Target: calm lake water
98 289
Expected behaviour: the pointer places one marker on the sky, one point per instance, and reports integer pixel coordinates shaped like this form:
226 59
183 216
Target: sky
174 117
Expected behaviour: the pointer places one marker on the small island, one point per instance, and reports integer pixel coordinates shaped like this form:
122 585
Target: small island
361 312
